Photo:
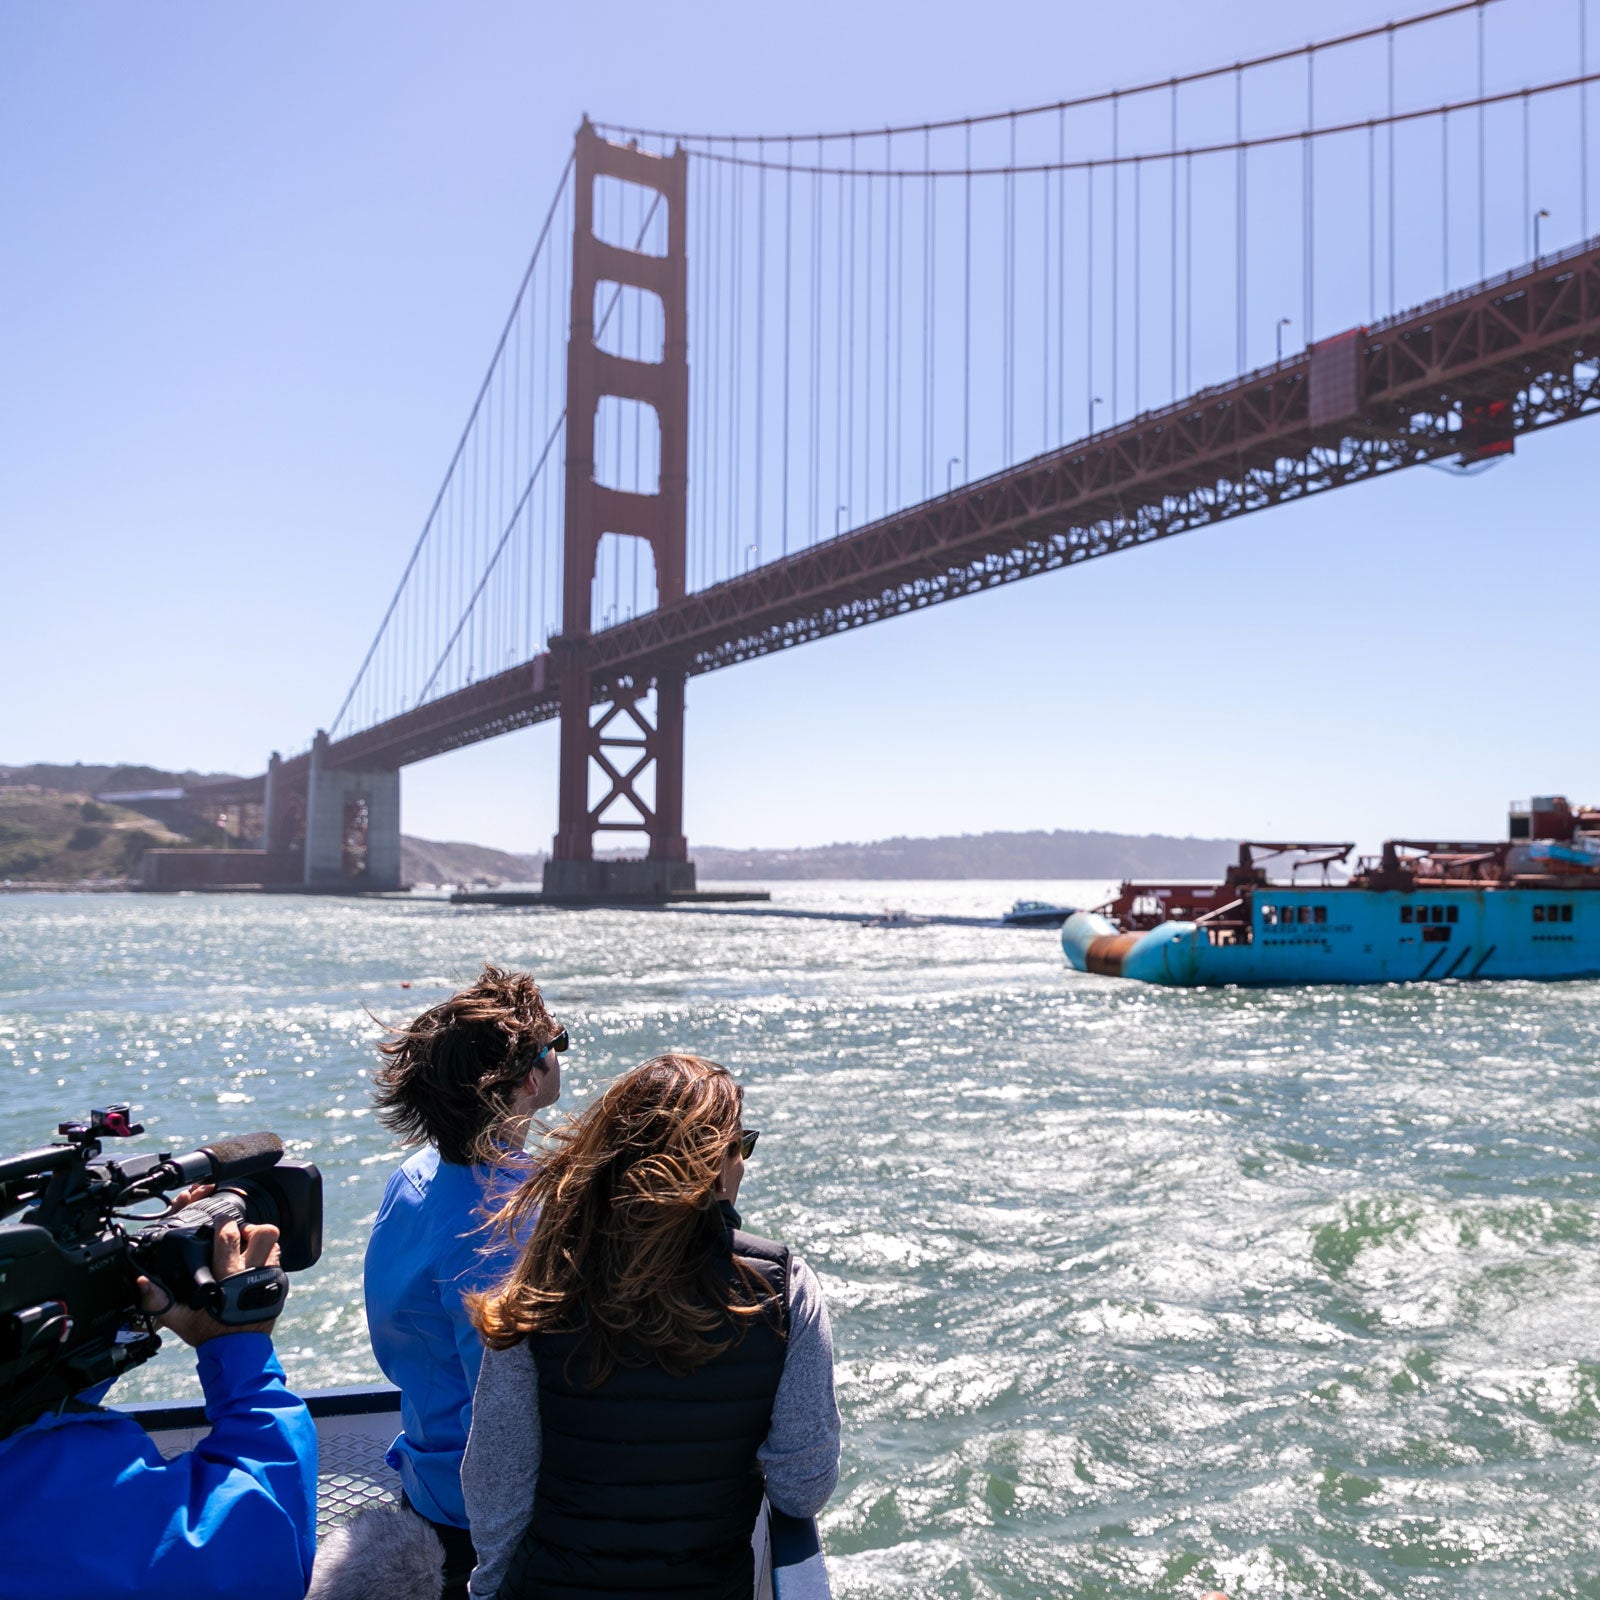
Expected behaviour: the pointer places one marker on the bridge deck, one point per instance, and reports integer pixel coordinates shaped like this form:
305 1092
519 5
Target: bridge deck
1528 338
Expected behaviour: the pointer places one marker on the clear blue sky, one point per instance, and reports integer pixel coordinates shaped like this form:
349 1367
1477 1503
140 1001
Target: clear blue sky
254 261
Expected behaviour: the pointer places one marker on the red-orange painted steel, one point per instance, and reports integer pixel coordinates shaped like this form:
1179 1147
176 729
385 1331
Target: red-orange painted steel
593 511
1530 339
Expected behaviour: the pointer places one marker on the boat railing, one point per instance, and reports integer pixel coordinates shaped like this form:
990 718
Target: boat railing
356 1426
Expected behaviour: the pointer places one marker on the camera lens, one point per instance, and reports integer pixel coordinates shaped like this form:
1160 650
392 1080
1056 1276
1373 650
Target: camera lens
244 1202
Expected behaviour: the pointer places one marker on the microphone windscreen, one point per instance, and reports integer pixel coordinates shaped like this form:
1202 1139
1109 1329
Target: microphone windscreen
238 1158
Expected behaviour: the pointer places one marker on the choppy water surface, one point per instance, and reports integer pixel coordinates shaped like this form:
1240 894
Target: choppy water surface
1135 1292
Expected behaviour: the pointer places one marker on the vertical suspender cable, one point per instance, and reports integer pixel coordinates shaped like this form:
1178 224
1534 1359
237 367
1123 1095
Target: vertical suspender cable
698 375
761 337
548 541
927 314
932 315
736 387
866 350
899 331
814 343
1138 276
1309 242
788 321
1188 274
838 363
1241 230
1527 183
1583 115
1010 351
1116 196
1172 234
510 586
1088 299
850 341
1044 299
713 480
966 327
1393 298
1444 198
1061 272
469 561
890 188
1372 223
1483 189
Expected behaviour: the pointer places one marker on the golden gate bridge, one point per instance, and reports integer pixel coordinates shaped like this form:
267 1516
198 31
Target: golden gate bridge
755 390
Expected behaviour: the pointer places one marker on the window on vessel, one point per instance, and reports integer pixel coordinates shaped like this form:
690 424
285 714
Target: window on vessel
1566 912
1538 913
1438 913
1435 935
1320 914
1405 913
1450 913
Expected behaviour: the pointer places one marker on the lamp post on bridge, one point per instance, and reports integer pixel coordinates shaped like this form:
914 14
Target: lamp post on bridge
1541 212
949 473
837 514
1283 322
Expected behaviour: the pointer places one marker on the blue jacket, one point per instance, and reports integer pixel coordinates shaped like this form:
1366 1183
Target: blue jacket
89 1509
428 1246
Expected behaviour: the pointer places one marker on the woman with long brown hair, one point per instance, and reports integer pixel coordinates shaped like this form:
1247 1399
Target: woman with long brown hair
651 1369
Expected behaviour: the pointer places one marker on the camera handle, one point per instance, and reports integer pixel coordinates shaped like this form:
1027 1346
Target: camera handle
256 1295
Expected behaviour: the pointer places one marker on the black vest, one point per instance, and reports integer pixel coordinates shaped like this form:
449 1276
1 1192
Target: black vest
648 1484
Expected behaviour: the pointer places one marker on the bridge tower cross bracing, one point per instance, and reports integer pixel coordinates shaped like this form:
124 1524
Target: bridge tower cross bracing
622 741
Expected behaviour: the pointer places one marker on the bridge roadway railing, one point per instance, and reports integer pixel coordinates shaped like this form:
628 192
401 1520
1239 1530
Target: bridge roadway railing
1529 338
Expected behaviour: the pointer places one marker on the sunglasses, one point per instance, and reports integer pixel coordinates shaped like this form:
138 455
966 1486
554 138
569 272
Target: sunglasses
559 1044
746 1142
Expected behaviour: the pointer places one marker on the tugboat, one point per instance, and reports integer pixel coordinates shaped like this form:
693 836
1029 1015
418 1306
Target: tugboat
1527 906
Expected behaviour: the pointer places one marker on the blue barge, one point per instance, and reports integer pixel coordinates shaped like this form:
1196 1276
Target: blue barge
1527 906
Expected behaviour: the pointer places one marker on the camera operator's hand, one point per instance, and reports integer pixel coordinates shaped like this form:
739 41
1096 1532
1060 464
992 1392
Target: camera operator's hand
237 1249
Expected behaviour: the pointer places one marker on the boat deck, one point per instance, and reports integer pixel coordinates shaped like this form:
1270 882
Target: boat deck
355 1427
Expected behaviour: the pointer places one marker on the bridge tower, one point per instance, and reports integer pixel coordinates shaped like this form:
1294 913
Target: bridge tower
606 728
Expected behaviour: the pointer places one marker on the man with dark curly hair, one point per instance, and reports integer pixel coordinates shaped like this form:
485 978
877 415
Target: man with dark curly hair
463 1082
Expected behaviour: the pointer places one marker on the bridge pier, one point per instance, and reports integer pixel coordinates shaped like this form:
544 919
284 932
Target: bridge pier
627 743
352 825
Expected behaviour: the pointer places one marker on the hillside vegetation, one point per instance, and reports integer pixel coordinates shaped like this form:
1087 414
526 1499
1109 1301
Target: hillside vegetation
67 838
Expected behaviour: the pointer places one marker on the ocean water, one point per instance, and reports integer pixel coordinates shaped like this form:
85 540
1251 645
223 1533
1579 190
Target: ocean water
1292 1293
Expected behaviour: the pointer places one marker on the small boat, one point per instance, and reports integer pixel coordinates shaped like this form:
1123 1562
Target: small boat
356 1426
1527 906
894 917
1036 914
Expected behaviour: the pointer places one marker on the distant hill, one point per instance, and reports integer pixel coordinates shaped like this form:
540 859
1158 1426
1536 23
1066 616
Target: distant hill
63 837
1060 854
429 861
82 779
43 813
1020 856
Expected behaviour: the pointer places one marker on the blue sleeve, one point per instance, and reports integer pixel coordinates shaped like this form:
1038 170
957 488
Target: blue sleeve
88 1507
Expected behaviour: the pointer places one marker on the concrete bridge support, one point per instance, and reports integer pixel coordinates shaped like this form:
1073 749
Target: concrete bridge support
352 825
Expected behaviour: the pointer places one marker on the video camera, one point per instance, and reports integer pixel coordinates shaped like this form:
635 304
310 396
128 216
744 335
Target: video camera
69 1268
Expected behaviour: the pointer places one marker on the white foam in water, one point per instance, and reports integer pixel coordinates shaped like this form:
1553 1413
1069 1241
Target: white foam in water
1136 1292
